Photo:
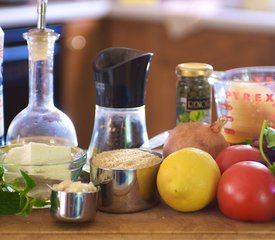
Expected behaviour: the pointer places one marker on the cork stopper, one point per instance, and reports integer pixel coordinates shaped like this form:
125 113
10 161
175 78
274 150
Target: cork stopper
40 43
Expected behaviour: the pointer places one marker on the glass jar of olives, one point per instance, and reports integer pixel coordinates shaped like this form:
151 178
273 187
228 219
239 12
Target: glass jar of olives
194 94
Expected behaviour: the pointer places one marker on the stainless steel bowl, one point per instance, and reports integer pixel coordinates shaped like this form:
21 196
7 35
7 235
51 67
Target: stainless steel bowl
125 191
74 206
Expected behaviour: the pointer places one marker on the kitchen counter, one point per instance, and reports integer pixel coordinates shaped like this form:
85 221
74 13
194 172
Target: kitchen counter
160 222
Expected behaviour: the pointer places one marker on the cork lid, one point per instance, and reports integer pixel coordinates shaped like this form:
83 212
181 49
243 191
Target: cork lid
40 43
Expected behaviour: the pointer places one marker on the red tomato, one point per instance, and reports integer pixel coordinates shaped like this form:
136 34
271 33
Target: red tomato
237 153
246 191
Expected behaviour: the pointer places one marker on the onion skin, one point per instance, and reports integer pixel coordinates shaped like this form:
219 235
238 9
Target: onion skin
198 135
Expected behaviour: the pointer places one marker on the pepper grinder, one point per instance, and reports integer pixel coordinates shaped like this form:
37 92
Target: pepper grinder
120 78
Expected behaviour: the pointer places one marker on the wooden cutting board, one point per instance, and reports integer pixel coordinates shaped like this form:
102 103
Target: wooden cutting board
160 222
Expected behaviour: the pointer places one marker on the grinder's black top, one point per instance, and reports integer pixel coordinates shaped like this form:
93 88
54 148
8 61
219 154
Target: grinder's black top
120 76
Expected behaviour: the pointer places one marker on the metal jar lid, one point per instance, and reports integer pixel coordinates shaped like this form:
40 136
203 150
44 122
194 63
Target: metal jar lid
194 70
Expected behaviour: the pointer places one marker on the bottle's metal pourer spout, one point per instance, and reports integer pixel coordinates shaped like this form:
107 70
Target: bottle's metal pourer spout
41 14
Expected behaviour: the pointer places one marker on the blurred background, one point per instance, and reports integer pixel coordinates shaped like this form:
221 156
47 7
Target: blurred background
226 34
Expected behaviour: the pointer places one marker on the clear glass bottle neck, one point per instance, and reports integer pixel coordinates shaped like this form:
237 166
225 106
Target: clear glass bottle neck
41 83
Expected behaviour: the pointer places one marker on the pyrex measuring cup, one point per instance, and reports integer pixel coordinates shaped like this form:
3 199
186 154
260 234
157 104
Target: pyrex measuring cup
245 97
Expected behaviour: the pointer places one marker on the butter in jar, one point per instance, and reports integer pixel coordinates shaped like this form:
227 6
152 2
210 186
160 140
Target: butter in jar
193 92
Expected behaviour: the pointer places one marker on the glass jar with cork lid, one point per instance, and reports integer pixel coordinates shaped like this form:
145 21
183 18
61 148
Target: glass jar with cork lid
193 94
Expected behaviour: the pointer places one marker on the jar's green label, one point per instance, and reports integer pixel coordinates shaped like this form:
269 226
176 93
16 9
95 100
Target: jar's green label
198 104
197 111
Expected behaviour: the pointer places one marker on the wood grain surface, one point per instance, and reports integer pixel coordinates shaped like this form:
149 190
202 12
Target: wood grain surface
160 222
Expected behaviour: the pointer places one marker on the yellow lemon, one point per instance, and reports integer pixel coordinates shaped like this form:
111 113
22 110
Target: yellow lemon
187 179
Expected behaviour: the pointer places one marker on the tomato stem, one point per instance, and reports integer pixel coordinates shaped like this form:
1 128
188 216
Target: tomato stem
264 126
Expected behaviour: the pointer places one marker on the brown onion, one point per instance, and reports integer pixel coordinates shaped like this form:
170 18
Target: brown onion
196 134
